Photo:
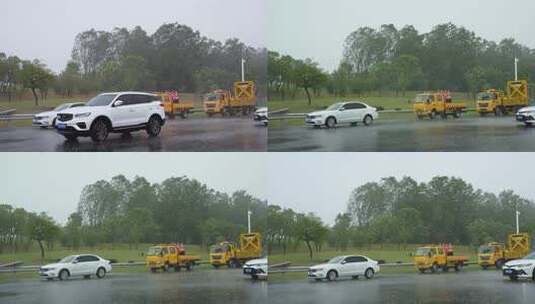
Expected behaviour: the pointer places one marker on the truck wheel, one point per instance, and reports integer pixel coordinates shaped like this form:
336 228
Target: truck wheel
99 131
165 267
332 275
433 114
422 270
188 267
178 268
369 273
331 122
216 266
444 115
184 114
445 268
484 267
434 268
153 270
498 112
457 114
499 264
458 267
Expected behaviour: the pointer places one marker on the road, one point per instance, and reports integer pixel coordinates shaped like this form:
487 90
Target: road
215 134
470 134
221 286
464 287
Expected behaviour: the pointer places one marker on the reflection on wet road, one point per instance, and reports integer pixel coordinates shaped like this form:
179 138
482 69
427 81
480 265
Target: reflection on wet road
466 134
463 287
217 134
221 286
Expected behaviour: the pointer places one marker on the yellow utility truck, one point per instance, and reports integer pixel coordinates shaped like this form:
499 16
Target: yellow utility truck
227 253
242 100
166 256
499 103
497 254
173 105
438 257
437 104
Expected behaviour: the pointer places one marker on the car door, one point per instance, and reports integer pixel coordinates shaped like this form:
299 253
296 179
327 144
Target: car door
92 262
144 103
348 267
361 264
122 115
359 111
77 267
344 113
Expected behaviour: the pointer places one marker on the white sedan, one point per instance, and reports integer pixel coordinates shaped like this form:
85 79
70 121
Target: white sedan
256 269
83 265
523 268
352 112
261 115
350 266
48 119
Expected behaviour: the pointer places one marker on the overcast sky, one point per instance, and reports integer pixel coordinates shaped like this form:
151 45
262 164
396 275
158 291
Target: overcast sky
46 29
317 28
52 182
321 182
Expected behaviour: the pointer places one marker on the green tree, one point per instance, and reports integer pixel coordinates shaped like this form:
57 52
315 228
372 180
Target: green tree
42 228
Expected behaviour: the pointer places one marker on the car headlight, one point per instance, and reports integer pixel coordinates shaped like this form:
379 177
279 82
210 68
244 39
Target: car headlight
81 115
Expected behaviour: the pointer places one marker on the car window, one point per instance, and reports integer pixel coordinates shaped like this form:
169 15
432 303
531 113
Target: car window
172 250
77 105
91 258
81 259
360 259
164 251
355 105
350 259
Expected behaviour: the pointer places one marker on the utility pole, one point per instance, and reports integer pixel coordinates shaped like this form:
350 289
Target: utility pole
249 221
242 70
516 69
517 225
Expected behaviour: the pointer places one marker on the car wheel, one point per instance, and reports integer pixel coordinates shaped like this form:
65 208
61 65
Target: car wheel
332 275
101 272
154 126
331 122
369 273
63 275
99 131
499 264
368 120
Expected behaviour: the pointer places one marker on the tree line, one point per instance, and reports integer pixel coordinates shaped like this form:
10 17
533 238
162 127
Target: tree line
448 57
403 211
123 211
175 57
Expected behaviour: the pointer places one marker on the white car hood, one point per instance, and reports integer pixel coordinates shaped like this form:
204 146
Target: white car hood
77 110
319 113
256 262
47 113
519 262
261 110
53 265
319 266
527 109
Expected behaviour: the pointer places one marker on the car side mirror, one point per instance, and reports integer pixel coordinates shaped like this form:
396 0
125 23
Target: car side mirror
343 262
118 103
341 109
75 262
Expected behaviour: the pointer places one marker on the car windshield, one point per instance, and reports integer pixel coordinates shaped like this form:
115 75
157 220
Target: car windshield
485 249
67 259
211 97
335 106
101 100
486 96
335 260
530 256
422 251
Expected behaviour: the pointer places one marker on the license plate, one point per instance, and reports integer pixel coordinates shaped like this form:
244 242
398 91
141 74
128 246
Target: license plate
247 270
508 271
61 126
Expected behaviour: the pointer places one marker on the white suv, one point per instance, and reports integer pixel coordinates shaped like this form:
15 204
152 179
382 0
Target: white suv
523 268
257 269
83 265
352 112
351 266
121 112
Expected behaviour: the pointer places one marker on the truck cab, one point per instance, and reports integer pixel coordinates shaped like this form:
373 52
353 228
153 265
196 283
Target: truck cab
440 103
497 254
491 254
500 103
223 254
161 257
241 100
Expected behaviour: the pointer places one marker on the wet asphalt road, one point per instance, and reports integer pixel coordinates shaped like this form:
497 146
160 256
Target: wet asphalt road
463 287
214 134
221 286
470 134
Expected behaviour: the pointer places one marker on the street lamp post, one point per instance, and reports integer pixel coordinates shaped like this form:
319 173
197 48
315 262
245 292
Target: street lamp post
249 221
